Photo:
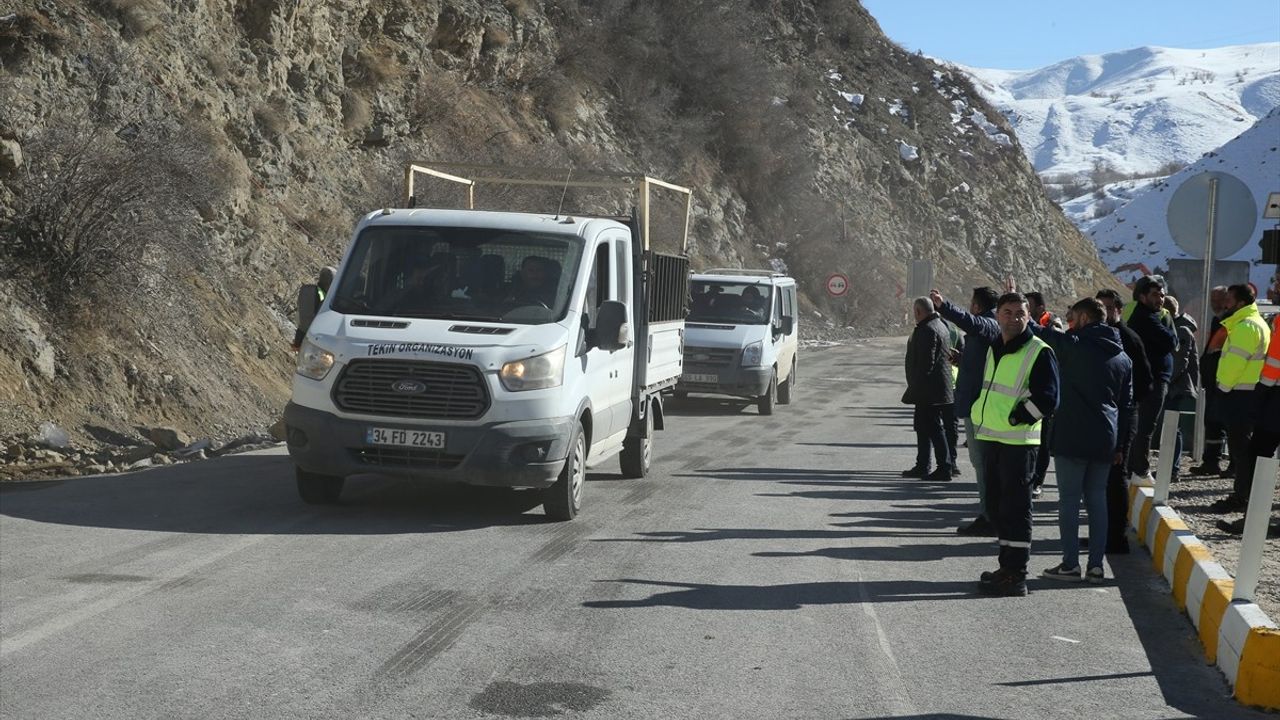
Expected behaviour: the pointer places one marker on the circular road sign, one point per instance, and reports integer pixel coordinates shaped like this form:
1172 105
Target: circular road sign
1235 217
837 285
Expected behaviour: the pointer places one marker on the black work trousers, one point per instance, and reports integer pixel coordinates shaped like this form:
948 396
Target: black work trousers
1042 458
952 427
930 433
1008 477
1148 415
1239 436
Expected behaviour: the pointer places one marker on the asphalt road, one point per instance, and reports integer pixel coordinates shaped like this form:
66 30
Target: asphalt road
770 567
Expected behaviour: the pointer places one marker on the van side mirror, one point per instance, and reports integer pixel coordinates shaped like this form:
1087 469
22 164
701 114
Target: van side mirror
786 324
612 332
308 306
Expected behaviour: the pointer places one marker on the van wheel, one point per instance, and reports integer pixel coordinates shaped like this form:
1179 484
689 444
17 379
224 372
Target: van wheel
766 401
563 500
784 388
637 452
317 489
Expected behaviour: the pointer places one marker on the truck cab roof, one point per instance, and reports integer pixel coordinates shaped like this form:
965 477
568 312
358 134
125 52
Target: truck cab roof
515 221
732 275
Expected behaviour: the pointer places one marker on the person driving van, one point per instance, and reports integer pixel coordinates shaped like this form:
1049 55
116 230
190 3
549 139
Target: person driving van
532 285
753 301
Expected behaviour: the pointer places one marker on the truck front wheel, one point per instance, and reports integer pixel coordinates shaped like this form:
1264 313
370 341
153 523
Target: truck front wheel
637 451
765 402
563 500
317 489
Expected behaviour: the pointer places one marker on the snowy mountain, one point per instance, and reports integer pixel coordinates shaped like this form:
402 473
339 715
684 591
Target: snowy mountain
1136 110
1137 234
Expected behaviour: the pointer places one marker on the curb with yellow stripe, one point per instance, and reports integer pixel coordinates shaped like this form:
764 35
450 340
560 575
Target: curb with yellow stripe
1239 637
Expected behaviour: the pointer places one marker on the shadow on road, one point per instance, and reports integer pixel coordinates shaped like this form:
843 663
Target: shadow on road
710 534
707 406
705 596
256 494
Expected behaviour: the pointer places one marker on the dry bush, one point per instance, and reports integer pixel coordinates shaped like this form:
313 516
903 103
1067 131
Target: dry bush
102 207
139 17
274 117
25 30
376 64
355 111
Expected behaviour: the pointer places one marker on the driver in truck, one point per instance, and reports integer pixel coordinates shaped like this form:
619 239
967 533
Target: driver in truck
533 285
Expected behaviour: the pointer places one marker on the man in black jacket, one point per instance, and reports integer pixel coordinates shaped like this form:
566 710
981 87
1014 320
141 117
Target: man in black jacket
1117 485
1096 397
1147 318
930 390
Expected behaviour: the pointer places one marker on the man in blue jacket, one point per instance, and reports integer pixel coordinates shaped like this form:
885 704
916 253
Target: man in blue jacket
1147 318
981 317
1096 397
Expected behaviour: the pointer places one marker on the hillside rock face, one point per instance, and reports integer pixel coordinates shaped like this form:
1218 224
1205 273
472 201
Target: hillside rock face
171 171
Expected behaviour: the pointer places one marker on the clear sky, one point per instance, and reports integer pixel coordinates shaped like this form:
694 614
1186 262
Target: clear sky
1026 34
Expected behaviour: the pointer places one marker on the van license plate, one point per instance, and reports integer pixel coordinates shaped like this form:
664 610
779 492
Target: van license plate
404 438
697 378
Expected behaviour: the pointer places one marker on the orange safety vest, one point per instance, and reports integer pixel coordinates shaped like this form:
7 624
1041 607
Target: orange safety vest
1271 367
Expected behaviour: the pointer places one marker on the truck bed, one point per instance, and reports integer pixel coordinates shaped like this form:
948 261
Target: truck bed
666 355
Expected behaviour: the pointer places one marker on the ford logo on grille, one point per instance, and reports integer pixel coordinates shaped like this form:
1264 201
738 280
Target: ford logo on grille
409 387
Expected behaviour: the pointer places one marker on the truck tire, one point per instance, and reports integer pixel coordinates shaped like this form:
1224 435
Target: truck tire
563 500
784 387
637 452
766 401
317 489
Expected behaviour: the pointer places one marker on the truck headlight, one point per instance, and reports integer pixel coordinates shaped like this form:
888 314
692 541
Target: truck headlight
314 361
535 373
751 354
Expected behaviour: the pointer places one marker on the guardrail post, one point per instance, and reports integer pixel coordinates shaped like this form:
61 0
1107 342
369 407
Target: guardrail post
1256 521
1164 468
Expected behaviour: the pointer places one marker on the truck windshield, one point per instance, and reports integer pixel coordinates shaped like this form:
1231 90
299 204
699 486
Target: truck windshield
481 274
729 302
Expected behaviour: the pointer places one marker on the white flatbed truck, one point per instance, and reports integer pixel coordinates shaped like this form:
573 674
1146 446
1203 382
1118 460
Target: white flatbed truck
490 348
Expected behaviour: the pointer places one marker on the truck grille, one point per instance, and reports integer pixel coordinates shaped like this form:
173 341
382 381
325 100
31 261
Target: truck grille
448 392
406 457
709 357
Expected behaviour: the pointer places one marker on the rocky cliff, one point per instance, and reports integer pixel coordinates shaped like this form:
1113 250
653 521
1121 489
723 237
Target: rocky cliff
170 171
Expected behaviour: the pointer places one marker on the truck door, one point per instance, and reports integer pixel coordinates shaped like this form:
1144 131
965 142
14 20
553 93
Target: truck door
601 368
624 359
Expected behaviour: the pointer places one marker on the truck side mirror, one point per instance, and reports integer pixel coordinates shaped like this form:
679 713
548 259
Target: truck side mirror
787 324
612 331
308 306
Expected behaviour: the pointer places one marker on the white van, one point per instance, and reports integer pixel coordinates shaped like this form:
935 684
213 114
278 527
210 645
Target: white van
488 348
742 337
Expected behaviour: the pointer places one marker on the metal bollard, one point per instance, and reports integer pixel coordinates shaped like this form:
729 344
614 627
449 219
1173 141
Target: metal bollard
1164 468
1256 521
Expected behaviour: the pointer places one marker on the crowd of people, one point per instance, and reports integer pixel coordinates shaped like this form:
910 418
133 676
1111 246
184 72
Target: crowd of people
1089 390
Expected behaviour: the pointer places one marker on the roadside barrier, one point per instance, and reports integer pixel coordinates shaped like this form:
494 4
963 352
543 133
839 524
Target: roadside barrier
1236 634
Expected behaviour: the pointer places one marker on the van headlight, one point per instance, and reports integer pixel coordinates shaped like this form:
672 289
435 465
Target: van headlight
751 354
314 361
535 373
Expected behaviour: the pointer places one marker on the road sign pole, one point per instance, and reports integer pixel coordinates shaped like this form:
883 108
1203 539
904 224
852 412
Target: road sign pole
1206 383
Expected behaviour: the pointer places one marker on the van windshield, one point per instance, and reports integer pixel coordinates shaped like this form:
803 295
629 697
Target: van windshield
481 274
729 302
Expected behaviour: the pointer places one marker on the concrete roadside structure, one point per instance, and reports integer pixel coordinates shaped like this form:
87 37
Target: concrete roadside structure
1237 636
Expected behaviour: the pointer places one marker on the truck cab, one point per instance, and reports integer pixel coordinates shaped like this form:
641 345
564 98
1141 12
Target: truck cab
488 348
742 337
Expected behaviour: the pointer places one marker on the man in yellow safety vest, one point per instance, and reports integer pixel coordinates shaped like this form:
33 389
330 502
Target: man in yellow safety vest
1019 389
1241 375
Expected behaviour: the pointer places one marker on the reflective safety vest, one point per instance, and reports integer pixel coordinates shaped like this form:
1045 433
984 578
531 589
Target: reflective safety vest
1006 383
1271 365
1245 351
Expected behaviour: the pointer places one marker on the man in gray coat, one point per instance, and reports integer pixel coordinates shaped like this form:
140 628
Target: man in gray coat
930 389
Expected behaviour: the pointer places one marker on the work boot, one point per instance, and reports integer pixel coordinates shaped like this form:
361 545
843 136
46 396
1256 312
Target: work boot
915 472
980 527
942 474
955 471
1230 472
1230 503
1004 584
1206 468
